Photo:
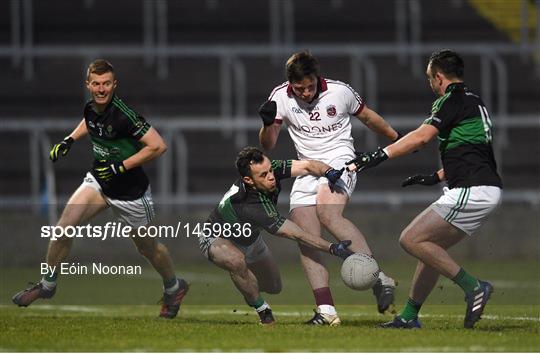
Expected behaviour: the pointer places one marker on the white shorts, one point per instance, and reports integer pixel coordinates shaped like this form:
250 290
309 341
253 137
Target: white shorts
136 213
305 188
467 208
255 252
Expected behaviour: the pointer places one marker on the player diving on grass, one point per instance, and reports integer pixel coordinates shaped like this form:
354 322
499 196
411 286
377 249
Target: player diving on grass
460 121
122 142
318 114
249 207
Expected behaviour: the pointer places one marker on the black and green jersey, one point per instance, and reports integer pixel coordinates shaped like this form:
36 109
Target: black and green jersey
243 204
465 135
115 135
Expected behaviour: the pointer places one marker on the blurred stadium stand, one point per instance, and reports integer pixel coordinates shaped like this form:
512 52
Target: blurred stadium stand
199 69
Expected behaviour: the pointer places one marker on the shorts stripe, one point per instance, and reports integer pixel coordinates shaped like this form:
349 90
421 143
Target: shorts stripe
449 215
460 205
147 208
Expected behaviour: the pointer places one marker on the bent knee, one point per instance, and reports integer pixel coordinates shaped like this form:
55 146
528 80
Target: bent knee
406 240
234 265
327 217
274 288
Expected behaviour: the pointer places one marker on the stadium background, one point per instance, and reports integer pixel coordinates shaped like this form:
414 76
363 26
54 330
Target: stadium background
197 70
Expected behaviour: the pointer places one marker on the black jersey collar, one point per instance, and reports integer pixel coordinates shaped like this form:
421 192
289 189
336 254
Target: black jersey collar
107 107
455 85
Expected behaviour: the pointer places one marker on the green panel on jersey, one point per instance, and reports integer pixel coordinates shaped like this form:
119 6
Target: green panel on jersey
115 150
439 102
226 211
469 131
126 110
268 206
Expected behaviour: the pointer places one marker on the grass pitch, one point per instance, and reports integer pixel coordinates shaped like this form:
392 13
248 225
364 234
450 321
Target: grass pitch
97 313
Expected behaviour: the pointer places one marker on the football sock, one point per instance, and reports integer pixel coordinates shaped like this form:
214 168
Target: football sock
49 280
410 311
171 285
259 304
465 281
323 296
327 309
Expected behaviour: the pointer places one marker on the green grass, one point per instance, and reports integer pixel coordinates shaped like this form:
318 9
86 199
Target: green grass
220 328
99 313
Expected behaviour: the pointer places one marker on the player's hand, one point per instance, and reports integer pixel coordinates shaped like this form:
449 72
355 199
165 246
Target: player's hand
107 170
426 180
333 175
341 249
61 149
267 112
365 160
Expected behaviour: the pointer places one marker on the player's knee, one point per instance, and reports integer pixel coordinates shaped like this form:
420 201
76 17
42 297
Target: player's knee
274 287
325 217
328 216
406 241
236 265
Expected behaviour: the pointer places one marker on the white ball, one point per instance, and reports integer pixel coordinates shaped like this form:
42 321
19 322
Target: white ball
360 271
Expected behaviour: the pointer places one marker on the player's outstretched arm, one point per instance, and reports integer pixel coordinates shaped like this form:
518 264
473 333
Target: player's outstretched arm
413 141
294 232
407 144
376 123
154 146
62 148
315 168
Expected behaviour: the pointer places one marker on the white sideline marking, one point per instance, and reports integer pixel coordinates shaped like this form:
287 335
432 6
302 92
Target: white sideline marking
69 308
357 314
472 348
187 310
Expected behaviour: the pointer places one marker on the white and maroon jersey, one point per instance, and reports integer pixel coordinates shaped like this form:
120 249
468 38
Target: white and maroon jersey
320 130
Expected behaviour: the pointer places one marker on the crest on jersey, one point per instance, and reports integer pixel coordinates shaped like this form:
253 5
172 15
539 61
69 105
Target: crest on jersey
331 111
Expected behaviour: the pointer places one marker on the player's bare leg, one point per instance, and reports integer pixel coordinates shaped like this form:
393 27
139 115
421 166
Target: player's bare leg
84 204
174 289
424 280
267 273
156 253
427 238
316 272
330 207
227 256
331 204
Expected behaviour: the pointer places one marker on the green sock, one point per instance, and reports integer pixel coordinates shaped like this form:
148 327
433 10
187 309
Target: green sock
51 277
49 280
257 303
410 311
465 281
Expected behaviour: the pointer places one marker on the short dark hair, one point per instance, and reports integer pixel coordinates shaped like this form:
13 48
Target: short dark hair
99 67
448 62
300 65
246 157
